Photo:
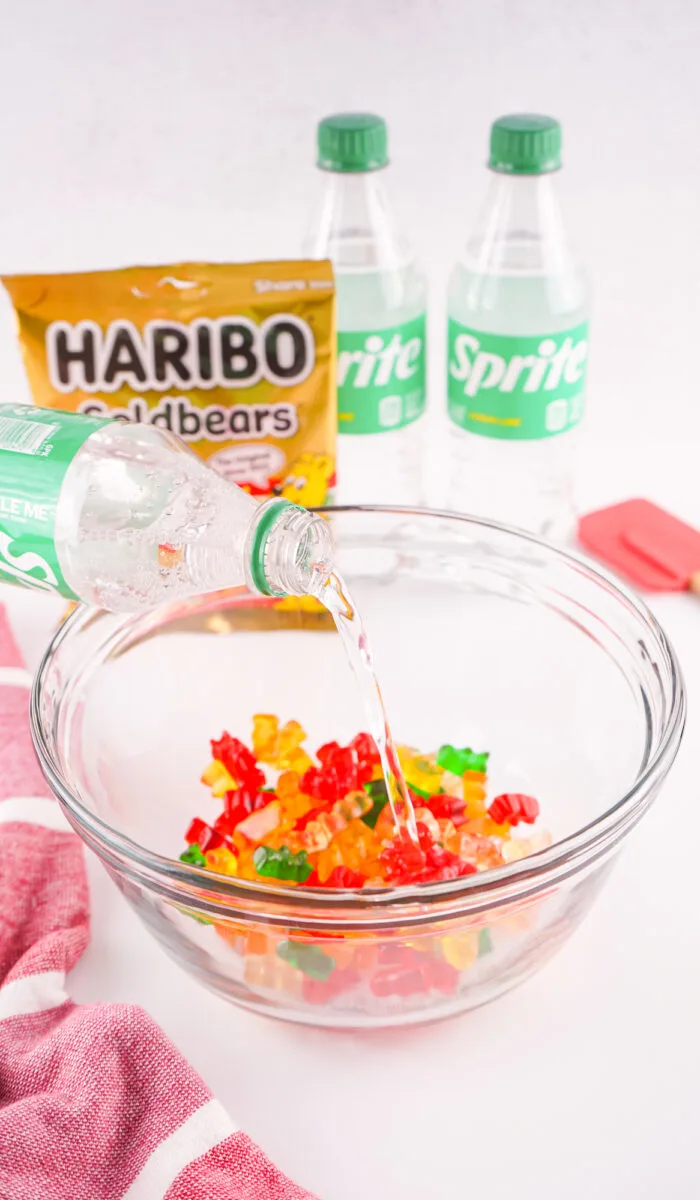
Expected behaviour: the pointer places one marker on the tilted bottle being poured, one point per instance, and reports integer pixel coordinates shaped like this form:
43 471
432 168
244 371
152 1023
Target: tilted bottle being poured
126 517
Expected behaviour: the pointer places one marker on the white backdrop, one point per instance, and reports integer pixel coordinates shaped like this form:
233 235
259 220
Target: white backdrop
154 130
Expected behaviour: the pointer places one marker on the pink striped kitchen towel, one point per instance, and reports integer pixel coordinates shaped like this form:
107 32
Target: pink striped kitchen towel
95 1103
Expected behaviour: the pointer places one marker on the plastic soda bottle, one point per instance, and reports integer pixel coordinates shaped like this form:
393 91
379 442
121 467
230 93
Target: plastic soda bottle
517 342
126 517
381 311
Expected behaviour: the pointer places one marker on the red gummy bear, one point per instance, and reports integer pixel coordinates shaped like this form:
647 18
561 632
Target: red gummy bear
402 860
443 977
321 783
239 804
448 808
344 761
514 807
345 764
325 753
406 971
238 760
366 748
344 877
320 991
368 758
203 834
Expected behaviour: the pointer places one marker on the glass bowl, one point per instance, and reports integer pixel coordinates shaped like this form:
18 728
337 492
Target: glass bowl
482 636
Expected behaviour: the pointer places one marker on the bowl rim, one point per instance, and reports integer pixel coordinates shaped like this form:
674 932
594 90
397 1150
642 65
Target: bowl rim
479 892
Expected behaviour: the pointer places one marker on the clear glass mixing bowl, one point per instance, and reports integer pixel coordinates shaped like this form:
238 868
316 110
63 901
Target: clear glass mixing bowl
482 636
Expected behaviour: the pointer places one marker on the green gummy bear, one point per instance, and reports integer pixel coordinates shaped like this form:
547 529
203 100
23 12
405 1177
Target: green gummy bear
485 943
476 762
193 855
458 761
308 959
376 790
282 864
451 760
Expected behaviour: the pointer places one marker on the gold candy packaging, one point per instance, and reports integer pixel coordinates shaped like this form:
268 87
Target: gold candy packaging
238 360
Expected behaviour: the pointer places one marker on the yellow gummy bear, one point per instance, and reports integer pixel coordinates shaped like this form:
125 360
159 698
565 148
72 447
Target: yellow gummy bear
218 779
291 736
461 950
423 774
297 760
222 860
265 737
268 971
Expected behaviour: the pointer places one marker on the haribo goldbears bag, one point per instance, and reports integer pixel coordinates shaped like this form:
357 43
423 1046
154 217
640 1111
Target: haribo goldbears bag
239 360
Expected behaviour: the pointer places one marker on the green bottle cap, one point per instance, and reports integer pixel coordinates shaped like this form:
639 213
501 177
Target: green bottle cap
525 144
268 517
352 142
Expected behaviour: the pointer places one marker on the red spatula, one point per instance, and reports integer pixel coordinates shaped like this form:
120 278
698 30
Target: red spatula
653 548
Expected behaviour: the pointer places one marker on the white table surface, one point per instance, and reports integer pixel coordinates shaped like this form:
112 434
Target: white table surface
585 1081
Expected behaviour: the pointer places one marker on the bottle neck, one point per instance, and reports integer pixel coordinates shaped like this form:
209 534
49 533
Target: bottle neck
520 229
354 226
289 551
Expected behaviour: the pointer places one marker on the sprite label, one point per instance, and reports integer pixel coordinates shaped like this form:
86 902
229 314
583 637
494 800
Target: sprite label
516 387
36 449
381 378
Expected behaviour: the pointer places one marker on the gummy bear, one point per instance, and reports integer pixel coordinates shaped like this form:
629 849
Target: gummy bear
298 760
459 761
321 991
353 805
461 950
402 859
321 783
376 790
343 877
265 737
291 737
203 835
239 804
238 760
222 860
422 775
450 808
217 778
514 808
325 753
328 859
261 822
319 833
346 767
282 864
193 855
268 971
307 958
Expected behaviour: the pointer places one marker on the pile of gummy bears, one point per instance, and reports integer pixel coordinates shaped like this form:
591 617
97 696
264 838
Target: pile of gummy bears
326 822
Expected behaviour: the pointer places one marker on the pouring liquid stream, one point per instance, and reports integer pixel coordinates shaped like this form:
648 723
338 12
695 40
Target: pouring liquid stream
339 603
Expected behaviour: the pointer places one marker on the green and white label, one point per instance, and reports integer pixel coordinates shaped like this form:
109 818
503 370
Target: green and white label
516 387
381 378
36 448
